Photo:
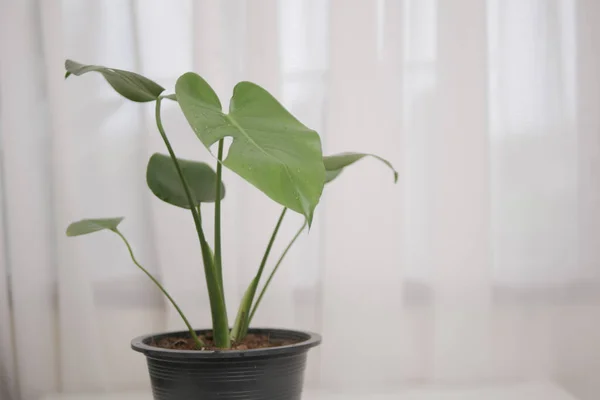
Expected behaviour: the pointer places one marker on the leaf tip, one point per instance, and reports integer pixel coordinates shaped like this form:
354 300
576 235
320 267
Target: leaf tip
69 231
309 218
67 68
395 176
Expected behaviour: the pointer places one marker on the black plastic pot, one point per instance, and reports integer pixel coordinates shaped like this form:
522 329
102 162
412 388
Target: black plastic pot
263 374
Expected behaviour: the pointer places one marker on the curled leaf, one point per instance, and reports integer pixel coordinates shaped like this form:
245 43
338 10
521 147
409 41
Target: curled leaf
130 85
335 164
86 226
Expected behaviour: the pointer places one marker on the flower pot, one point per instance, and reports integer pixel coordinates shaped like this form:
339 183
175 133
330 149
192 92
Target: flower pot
274 373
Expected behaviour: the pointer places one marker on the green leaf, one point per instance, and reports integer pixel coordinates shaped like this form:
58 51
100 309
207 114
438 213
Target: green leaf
335 164
130 85
242 320
86 226
163 181
271 149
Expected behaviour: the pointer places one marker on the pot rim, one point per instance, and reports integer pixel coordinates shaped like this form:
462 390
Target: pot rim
140 344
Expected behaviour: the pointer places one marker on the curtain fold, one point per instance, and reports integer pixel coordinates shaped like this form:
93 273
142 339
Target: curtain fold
359 94
459 220
27 211
480 265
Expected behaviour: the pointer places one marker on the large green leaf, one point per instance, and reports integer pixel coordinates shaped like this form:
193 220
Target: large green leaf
271 149
130 85
163 181
335 164
86 226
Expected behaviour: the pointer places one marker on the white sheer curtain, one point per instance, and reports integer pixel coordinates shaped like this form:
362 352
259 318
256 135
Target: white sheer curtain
480 266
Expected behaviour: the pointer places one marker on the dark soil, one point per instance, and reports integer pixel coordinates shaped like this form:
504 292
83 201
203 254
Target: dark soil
251 341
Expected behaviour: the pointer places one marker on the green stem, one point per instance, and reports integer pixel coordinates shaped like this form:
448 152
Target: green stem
264 289
216 297
242 321
218 259
215 293
270 245
186 187
197 340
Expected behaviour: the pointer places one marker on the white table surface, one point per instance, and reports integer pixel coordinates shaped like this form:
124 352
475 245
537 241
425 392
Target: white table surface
524 391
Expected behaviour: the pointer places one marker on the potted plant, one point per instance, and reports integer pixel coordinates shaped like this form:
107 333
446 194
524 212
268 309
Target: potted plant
280 156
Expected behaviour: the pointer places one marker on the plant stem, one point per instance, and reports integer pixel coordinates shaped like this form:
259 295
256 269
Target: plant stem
264 289
215 293
218 257
197 340
242 322
270 245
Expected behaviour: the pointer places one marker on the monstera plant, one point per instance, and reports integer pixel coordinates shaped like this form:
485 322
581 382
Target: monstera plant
269 148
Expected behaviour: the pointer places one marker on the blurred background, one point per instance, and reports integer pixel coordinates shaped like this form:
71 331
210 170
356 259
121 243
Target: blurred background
480 267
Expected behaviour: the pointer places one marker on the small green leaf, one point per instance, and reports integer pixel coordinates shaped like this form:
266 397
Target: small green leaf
271 149
86 226
163 181
242 320
335 164
130 85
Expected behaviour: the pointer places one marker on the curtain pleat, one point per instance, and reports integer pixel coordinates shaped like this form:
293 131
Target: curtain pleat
27 211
